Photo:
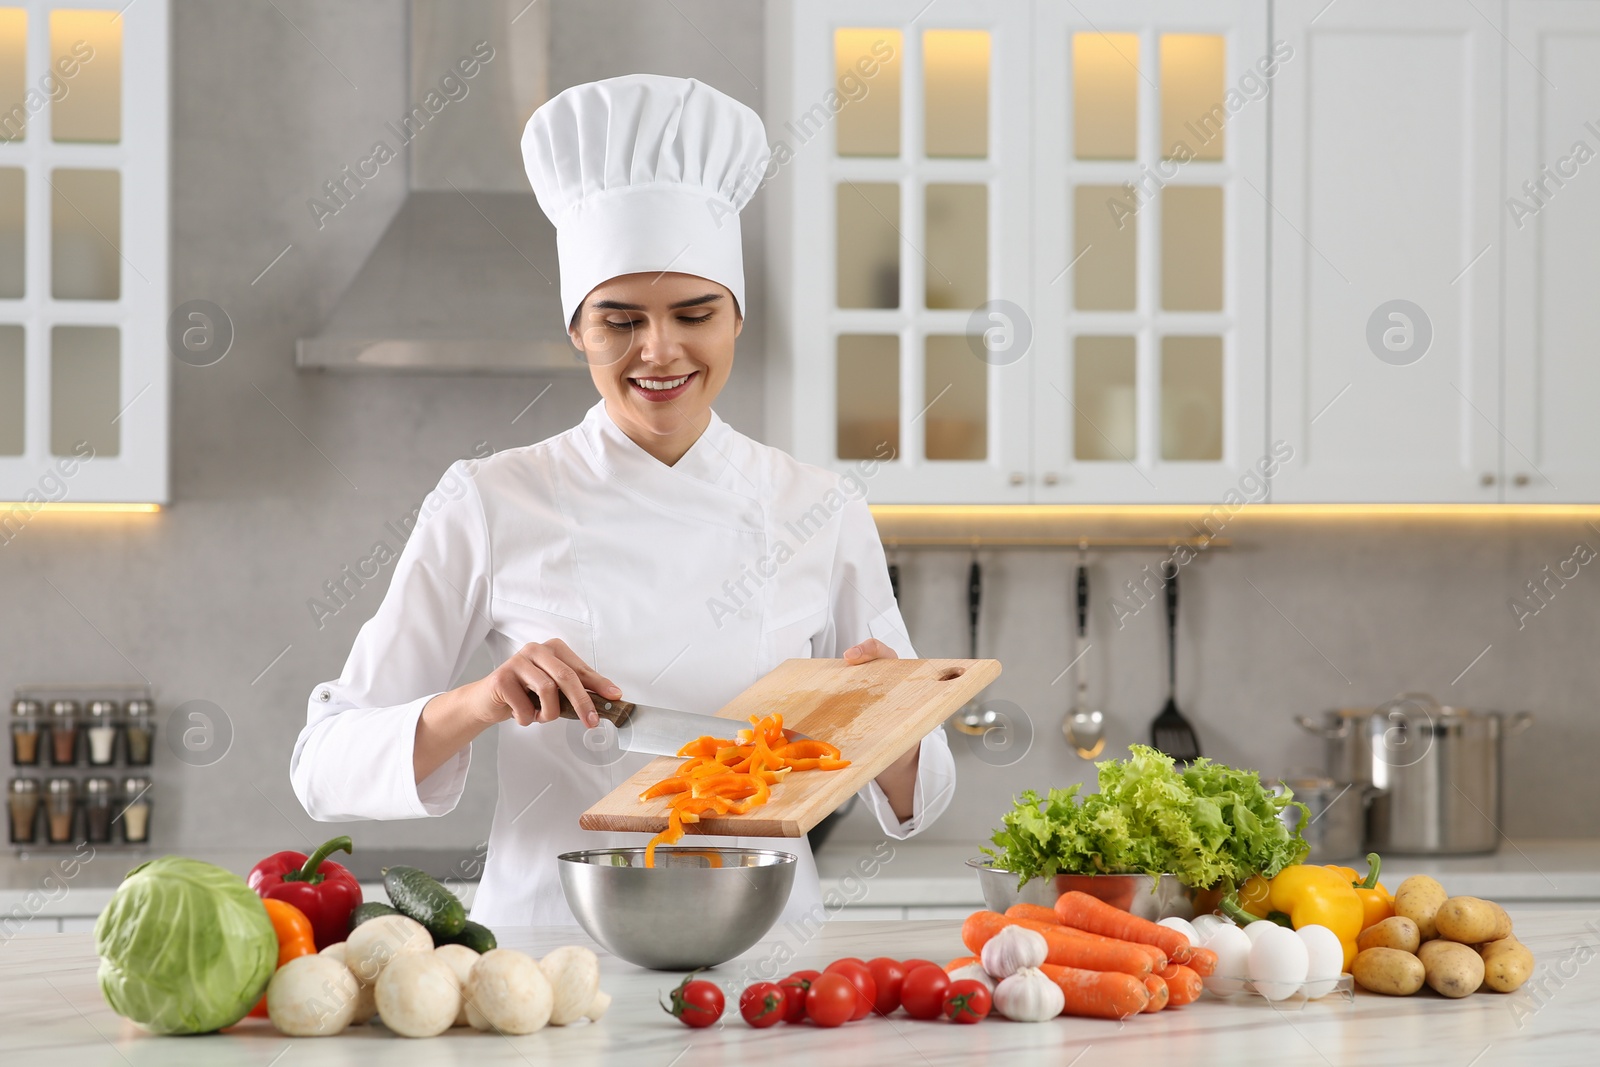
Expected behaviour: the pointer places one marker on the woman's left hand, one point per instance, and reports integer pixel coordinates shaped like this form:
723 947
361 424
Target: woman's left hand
869 649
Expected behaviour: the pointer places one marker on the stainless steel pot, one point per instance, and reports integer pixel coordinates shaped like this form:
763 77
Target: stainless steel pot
1337 826
1434 770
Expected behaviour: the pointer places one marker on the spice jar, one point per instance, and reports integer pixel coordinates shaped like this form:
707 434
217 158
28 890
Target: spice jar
140 728
63 732
26 726
98 794
60 809
102 732
136 810
23 802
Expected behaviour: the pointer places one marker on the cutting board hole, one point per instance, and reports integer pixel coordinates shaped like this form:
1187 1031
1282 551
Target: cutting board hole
952 672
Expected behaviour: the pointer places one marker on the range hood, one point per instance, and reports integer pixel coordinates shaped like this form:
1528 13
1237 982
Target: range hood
465 278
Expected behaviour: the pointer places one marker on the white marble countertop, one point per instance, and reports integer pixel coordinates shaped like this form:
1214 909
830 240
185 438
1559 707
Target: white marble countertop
53 1013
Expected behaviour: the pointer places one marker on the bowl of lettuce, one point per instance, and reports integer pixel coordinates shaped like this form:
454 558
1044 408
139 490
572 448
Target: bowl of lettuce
1202 827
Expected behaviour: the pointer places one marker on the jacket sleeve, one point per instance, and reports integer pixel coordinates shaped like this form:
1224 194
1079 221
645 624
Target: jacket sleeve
353 759
864 606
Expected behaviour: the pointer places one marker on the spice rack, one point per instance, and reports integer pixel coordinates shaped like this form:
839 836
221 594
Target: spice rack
80 759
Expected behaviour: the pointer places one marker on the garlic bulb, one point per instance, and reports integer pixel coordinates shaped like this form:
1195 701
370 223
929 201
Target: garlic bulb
974 972
1029 996
1012 949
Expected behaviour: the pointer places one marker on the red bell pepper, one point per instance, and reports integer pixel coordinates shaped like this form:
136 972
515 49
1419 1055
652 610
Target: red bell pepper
325 891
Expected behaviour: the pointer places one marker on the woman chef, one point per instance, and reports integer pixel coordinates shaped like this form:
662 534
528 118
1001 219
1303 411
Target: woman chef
651 552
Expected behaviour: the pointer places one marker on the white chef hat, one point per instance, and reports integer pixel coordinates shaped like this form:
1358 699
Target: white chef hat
645 173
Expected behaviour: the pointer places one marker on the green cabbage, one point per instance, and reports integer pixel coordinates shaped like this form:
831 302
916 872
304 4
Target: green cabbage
185 947
1209 825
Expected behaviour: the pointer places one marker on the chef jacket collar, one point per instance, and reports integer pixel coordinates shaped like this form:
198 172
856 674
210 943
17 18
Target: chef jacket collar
717 473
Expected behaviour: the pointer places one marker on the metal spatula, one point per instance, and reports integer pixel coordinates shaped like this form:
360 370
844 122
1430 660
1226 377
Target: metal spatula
1171 732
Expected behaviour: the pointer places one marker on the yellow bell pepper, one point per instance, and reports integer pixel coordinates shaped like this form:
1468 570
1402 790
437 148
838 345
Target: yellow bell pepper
1306 895
1377 903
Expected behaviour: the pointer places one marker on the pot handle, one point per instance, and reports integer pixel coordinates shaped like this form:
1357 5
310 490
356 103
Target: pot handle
1329 733
1517 723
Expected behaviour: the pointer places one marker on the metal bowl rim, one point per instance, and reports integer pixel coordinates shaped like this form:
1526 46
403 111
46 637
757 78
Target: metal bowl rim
584 858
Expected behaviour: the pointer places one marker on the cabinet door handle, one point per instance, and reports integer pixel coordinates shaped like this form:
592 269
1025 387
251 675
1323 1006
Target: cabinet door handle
1486 479
1051 477
1520 479
1018 478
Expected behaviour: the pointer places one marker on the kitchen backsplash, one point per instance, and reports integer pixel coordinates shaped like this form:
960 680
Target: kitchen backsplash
294 489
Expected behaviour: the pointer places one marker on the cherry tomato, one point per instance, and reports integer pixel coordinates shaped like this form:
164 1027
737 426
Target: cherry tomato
794 993
889 974
831 1000
911 965
695 1003
763 1004
860 976
922 992
966 1001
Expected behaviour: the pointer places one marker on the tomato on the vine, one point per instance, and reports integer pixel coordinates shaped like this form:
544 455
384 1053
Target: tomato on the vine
966 1001
695 1003
831 1000
860 976
794 993
888 974
763 1004
922 991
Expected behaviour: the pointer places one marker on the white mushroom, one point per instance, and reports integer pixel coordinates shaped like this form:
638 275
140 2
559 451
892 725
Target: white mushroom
311 996
602 1001
507 993
366 1001
574 974
418 995
375 943
461 959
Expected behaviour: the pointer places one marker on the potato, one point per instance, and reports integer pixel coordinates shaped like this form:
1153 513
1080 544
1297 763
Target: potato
1451 969
1396 931
1418 899
1389 971
1507 963
1471 921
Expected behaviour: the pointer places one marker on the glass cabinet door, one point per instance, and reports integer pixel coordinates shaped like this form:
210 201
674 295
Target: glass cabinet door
1150 167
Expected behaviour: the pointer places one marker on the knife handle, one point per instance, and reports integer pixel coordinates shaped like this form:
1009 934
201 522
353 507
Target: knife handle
618 711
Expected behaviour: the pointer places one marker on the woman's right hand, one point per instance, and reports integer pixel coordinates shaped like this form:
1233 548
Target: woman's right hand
546 668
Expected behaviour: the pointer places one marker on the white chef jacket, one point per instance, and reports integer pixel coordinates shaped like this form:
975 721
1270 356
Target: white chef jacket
683 584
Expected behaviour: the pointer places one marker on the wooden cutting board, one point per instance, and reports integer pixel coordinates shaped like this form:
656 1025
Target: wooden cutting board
873 711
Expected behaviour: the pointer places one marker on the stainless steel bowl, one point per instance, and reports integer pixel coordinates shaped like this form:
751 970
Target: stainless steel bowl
697 907
1141 894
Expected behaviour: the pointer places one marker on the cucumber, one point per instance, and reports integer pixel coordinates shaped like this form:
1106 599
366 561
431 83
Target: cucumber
421 896
370 910
476 936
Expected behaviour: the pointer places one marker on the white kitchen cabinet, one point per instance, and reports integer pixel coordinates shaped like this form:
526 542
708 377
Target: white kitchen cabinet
1386 158
83 255
1550 228
1150 141
931 325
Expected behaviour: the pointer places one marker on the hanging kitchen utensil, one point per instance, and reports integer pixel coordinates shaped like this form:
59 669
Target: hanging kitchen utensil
1171 732
974 719
1085 730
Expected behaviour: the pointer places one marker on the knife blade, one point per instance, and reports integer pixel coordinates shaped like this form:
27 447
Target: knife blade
653 730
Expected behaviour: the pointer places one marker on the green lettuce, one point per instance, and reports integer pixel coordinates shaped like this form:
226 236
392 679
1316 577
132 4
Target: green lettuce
1208 824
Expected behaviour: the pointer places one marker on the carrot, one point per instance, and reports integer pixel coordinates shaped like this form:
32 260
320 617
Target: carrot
1098 994
962 961
1202 961
1095 915
1158 959
1183 984
1065 949
1158 993
1035 912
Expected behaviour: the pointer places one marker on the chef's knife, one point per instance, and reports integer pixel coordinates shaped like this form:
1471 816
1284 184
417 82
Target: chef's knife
658 731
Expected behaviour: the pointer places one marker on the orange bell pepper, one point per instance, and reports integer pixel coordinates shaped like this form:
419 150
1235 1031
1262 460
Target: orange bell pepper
1377 903
295 939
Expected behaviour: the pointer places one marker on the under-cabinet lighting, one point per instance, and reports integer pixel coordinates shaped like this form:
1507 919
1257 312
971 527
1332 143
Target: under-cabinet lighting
66 507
